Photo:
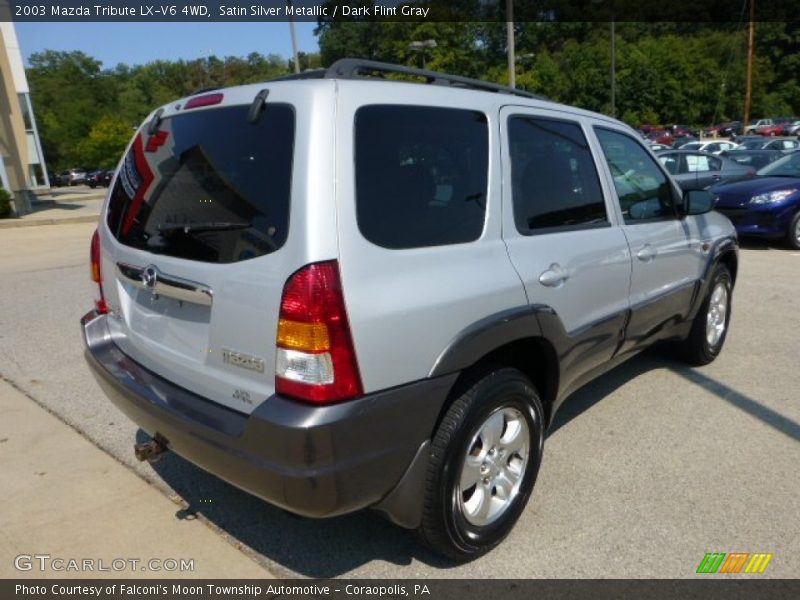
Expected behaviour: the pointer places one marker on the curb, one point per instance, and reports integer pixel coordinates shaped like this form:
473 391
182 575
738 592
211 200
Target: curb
10 223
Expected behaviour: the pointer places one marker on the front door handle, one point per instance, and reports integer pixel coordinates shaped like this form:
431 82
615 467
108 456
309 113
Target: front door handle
554 276
647 253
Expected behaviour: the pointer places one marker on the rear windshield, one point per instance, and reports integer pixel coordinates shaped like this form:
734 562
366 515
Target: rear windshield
421 175
207 186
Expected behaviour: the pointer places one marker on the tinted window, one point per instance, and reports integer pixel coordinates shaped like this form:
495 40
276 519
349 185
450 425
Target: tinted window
421 175
698 163
671 163
554 179
644 192
207 186
788 166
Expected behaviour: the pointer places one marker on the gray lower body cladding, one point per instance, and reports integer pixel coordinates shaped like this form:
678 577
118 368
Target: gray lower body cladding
316 461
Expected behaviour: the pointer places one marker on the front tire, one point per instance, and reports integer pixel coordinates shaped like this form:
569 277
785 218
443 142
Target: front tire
793 235
710 326
484 460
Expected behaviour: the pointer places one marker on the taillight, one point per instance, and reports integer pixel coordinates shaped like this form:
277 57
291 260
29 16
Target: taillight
315 360
94 256
206 100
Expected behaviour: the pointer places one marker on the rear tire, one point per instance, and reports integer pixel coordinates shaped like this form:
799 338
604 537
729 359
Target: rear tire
793 235
710 326
484 460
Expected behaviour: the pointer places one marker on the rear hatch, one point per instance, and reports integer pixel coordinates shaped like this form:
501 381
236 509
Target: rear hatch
195 247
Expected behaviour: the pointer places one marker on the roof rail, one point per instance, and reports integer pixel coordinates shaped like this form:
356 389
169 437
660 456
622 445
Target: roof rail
355 68
309 74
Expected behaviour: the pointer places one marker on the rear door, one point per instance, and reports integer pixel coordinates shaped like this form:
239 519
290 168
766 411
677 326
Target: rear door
197 247
562 235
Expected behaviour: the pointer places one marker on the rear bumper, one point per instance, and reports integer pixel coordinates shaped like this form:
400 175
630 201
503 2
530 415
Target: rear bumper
316 461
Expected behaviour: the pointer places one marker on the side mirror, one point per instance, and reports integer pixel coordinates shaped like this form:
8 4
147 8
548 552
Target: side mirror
698 202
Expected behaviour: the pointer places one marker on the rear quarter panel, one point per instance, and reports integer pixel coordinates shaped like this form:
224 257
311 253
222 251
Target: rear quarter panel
406 306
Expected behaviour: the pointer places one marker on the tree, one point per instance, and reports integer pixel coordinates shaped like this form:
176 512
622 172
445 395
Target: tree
105 143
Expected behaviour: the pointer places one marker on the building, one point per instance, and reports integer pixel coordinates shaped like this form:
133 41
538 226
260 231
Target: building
22 166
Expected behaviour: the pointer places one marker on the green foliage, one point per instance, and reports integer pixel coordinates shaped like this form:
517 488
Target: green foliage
5 203
106 141
86 114
666 73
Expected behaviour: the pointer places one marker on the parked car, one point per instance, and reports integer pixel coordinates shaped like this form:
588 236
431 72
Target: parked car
55 179
657 147
76 176
682 141
405 343
679 131
731 129
697 170
771 130
661 136
753 127
792 128
753 158
727 129
710 147
767 206
784 144
741 139
99 178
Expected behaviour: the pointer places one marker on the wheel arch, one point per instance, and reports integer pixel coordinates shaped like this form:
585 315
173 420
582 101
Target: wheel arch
510 339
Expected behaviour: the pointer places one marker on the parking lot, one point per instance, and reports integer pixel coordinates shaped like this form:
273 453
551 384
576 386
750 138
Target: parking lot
645 470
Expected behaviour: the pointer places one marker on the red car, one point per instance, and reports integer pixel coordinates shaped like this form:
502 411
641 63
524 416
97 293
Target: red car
771 130
660 136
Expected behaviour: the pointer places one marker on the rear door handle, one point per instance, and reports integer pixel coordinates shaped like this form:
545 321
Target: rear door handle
647 253
159 284
554 276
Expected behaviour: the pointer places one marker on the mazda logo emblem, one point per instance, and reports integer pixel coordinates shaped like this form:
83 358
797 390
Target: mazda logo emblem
150 277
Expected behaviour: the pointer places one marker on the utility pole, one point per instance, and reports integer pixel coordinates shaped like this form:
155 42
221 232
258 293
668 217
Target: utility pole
613 64
512 74
748 92
294 38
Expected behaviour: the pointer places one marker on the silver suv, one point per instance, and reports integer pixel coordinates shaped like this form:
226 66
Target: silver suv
339 291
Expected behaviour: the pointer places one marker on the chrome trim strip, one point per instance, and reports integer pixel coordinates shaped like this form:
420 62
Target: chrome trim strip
159 284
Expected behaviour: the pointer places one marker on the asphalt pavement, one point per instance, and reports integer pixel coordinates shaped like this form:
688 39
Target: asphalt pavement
646 470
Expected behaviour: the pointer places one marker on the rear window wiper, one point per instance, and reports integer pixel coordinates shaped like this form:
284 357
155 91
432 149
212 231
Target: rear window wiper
200 227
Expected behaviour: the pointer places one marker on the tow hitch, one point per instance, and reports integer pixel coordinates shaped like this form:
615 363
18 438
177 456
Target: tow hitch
150 451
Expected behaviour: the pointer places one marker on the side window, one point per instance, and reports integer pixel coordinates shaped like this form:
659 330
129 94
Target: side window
714 163
697 163
421 175
671 163
644 192
554 178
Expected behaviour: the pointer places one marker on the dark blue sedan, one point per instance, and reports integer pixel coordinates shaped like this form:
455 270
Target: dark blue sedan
768 205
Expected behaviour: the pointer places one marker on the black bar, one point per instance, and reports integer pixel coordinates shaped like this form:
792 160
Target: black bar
709 587
209 11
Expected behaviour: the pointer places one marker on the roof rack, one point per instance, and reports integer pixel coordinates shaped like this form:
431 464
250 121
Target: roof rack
355 68
310 74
